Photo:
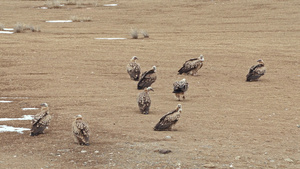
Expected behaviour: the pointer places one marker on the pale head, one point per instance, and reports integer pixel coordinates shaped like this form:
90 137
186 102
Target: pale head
78 117
154 68
201 58
260 61
44 105
183 80
179 106
134 58
150 89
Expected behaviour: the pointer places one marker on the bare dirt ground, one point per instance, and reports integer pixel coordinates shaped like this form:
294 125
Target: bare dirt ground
226 122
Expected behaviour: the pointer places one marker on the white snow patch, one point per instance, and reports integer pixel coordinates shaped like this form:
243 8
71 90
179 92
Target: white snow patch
43 7
25 117
110 38
59 21
110 5
8 29
6 32
33 108
5 128
5 101
13 97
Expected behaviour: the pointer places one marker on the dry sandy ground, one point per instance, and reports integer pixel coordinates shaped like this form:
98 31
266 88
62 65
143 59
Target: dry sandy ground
226 122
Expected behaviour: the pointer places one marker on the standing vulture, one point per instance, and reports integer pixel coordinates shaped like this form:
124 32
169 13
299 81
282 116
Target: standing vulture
256 71
169 120
144 100
147 78
179 88
80 131
192 66
40 121
134 69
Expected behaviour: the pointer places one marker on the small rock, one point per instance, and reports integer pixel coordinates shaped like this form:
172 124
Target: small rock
237 157
210 165
163 151
83 151
288 160
168 137
96 151
272 161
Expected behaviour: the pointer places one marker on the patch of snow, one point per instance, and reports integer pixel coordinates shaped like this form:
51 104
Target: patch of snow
5 128
25 117
5 101
110 5
110 38
6 32
29 108
59 21
13 97
8 29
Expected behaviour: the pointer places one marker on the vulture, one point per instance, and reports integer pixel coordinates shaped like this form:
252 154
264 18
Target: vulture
144 100
256 71
147 78
192 66
134 69
179 88
169 120
40 121
80 131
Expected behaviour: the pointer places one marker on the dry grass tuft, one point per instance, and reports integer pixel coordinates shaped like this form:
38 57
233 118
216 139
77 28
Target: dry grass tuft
145 33
52 4
80 19
21 27
134 33
1 26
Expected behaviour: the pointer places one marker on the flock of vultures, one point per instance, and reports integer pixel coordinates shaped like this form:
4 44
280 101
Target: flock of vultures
80 129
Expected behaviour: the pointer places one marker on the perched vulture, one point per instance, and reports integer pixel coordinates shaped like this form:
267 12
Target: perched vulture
256 71
192 66
80 131
134 69
179 88
169 120
144 100
147 78
40 121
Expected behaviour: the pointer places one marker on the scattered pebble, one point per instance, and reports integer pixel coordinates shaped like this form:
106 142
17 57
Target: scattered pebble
163 151
96 151
168 137
288 160
210 165
237 157
83 151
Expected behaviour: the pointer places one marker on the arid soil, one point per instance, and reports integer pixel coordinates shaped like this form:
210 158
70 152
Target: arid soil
226 122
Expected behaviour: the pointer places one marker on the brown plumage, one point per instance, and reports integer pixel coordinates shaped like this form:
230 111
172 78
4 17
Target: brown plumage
80 131
147 78
192 66
134 69
179 88
144 100
40 121
169 120
256 71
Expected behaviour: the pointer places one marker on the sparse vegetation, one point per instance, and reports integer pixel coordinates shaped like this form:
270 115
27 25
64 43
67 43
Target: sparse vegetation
53 4
21 27
80 19
134 33
1 26
145 33
80 3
